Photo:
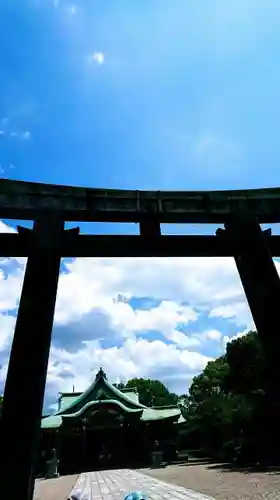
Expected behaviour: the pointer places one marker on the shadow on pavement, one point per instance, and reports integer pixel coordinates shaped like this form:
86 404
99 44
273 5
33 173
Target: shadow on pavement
226 466
249 469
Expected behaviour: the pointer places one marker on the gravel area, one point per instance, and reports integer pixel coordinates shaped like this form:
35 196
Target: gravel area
221 482
54 489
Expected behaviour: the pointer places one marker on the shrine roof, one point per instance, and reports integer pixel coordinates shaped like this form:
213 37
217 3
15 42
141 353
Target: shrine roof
101 392
161 413
66 400
52 422
132 393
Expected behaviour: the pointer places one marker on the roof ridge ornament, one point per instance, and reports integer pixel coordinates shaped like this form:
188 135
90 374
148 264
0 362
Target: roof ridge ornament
101 374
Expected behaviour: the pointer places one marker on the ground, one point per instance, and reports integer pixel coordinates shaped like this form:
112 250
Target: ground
222 482
54 489
214 480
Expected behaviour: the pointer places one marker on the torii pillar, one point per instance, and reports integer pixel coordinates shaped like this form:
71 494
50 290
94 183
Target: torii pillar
25 385
261 283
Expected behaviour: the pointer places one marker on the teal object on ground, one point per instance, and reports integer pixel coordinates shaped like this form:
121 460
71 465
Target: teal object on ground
135 495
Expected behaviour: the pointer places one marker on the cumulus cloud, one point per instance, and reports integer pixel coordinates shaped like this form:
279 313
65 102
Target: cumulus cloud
196 282
212 335
97 321
7 324
182 289
135 358
227 339
238 313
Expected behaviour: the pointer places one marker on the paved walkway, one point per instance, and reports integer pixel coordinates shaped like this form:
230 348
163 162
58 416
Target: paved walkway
114 484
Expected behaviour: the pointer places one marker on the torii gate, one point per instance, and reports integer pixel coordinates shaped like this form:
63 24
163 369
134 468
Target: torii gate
50 206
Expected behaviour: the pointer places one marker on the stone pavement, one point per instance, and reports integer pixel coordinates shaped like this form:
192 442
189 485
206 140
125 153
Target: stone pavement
114 484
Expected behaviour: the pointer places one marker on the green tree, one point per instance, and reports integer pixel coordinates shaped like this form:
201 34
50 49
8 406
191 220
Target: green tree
246 363
224 406
213 379
152 392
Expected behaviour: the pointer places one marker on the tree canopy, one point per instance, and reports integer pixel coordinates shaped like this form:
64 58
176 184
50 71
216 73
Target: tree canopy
226 408
151 392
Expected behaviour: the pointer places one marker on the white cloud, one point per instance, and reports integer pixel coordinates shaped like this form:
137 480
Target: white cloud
227 339
3 372
7 131
215 335
163 318
183 340
135 358
7 324
97 57
199 282
184 289
10 288
238 313
205 285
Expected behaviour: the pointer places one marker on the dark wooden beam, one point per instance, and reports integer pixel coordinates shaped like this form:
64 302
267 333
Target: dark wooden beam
150 228
146 246
27 371
73 245
26 200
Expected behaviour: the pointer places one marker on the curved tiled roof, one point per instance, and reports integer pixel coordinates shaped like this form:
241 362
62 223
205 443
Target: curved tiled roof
102 392
90 404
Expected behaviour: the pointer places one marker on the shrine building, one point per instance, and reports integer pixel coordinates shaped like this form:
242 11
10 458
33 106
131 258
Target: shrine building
108 427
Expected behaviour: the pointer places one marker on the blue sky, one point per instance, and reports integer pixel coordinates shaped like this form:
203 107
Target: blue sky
149 94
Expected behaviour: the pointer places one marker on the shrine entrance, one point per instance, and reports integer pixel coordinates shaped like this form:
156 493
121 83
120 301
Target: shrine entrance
103 448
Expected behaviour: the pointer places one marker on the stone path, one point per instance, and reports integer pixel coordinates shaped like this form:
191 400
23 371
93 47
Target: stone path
114 484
